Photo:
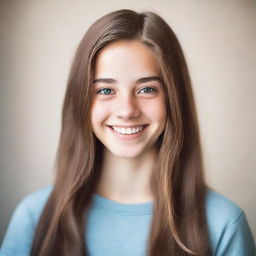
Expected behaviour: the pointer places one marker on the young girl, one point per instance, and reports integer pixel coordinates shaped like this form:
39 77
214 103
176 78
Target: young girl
129 167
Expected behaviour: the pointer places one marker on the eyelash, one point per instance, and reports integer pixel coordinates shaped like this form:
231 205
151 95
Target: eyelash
151 88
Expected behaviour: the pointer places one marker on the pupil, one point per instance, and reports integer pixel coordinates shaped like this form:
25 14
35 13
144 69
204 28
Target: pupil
107 91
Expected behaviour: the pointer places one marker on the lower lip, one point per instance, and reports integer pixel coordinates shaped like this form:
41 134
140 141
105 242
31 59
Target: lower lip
128 137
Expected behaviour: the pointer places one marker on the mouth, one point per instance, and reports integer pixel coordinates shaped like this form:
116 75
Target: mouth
128 133
129 130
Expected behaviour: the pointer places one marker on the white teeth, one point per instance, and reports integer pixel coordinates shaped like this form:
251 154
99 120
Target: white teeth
128 130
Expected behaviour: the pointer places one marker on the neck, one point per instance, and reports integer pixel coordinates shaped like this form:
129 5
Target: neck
126 180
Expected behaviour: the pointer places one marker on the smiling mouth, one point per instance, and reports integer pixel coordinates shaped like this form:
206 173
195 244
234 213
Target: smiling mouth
128 131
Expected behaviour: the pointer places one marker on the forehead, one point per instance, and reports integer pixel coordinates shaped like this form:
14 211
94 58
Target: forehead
126 58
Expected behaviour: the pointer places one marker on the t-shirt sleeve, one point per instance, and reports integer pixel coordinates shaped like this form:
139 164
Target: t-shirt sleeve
20 232
236 239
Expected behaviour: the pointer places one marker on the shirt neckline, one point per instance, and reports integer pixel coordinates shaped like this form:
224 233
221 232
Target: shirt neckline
109 206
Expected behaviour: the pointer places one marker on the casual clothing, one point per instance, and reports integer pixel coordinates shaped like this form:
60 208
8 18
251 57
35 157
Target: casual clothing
115 229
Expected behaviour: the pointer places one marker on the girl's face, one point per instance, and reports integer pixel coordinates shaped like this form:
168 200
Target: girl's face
128 111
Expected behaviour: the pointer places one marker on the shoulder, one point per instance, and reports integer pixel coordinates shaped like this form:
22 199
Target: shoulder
220 209
33 203
228 226
36 200
20 232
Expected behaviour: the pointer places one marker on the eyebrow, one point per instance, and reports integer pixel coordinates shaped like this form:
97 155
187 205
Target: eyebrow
141 80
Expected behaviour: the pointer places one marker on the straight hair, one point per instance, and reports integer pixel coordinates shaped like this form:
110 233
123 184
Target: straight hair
179 225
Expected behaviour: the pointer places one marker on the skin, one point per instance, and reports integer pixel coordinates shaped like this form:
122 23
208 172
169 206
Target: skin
124 99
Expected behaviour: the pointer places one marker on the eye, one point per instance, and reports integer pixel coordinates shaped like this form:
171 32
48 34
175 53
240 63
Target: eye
104 91
147 90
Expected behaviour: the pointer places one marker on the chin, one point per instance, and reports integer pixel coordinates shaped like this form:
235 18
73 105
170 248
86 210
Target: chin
126 154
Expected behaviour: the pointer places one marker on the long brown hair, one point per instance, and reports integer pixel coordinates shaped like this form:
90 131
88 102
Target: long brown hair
179 225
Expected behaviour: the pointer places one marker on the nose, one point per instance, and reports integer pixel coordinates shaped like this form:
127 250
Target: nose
127 107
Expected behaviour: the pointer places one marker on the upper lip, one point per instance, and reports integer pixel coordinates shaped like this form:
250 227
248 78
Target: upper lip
128 126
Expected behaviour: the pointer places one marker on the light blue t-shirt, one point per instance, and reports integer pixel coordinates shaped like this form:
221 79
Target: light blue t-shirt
115 229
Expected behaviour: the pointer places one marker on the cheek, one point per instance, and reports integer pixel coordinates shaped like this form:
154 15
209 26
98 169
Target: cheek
156 110
99 112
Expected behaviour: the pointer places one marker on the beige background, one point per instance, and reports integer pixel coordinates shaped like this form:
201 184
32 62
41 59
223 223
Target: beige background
38 40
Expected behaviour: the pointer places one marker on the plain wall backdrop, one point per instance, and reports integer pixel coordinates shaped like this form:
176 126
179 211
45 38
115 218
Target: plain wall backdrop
38 41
